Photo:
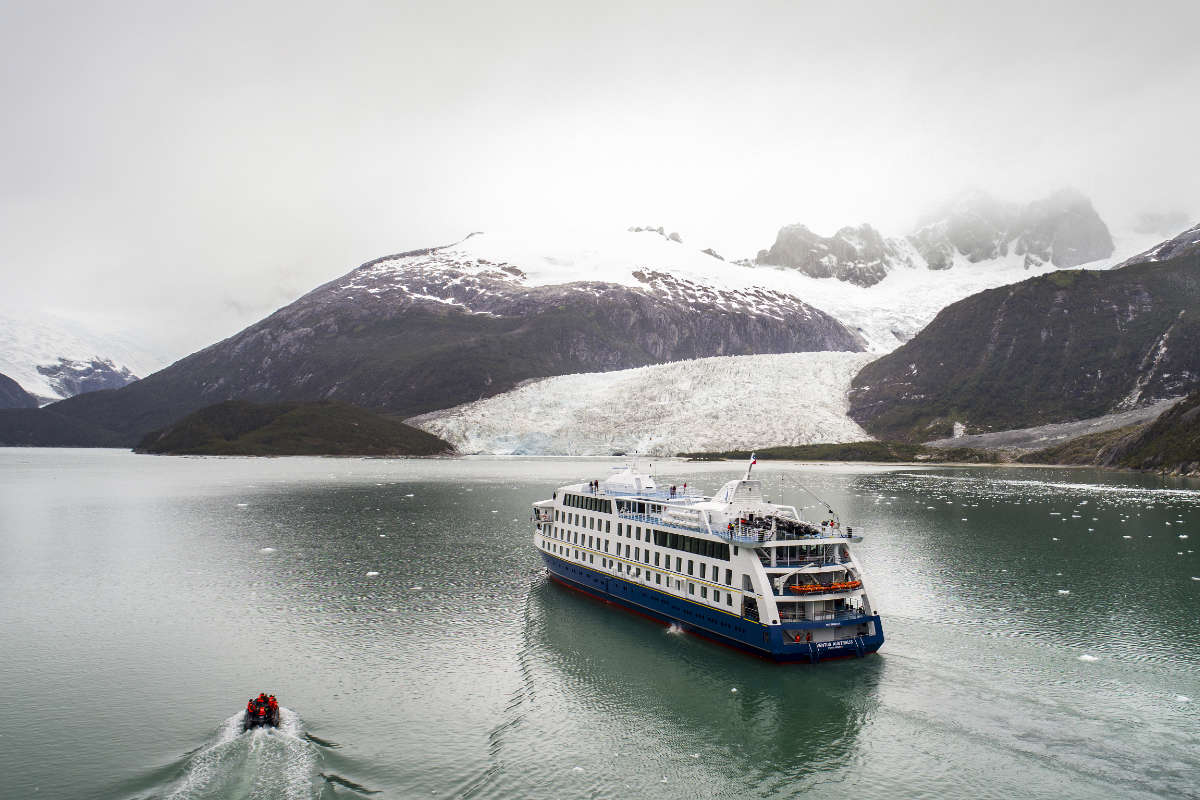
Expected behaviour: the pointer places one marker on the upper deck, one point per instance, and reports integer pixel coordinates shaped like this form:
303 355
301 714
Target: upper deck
737 513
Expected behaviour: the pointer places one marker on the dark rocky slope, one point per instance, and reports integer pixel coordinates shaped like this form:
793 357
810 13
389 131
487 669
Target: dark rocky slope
1171 444
1063 346
291 429
42 427
434 328
13 396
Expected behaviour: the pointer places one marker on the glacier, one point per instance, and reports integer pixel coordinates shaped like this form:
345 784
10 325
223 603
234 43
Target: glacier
64 350
718 403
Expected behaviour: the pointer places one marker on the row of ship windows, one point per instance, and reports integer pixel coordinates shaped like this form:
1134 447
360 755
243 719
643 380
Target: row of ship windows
669 539
707 572
637 573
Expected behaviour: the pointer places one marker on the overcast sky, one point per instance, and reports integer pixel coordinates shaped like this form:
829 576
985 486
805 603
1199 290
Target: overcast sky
178 170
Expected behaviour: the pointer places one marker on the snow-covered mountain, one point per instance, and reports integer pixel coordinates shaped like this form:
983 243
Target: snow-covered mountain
685 406
53 358
974 228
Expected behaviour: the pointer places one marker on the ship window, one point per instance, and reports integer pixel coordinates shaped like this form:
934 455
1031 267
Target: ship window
704 592
606 545
656 559
729 577
735 550
589 541
689 566
746 584
637 533
691 588
637 572
729 600
646 555
716 595
637 554
702 566
592 523
627 551
591 559
607 526
658 577
678 564
618 529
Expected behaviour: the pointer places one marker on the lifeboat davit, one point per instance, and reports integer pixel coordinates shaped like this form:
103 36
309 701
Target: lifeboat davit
261 712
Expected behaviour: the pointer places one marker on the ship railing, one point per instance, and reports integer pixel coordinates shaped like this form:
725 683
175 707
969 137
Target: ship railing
765 558
797 614
656 494
654 519
761 532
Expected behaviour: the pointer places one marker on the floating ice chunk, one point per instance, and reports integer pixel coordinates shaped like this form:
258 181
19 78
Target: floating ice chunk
1056 513
664 780
695 755
1054 538
1183 536
383 536
243 505
372 574
964 519
1064 591
1195 578
415 588
577 769
734 690
413 495
1091 529
495 511
266 550
1179 698
1059 574
1088 657
1126 537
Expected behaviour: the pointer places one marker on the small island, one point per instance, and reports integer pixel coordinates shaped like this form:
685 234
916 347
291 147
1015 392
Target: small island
239 428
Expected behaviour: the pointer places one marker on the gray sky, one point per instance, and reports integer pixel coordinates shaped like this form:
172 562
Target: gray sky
180 170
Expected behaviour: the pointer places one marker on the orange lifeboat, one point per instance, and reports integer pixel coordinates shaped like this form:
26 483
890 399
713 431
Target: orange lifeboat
818 588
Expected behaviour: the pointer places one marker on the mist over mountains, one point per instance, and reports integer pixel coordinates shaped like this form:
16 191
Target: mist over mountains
1062 229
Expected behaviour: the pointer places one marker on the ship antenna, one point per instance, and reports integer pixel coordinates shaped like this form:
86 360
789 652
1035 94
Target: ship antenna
828 507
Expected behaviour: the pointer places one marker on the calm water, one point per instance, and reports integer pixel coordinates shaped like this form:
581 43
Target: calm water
143 599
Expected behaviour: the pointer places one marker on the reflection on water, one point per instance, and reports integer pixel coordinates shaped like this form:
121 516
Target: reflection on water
700 716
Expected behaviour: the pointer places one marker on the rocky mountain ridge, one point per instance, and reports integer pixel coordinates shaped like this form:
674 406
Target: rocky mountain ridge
1064 346
434 328
1062 229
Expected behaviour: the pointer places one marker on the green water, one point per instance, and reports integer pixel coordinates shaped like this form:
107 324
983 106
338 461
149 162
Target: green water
139 609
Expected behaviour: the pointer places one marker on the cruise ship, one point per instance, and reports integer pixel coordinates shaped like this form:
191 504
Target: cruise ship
733 567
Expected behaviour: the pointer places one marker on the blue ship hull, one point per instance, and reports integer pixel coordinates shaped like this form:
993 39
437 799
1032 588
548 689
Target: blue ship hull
766 641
